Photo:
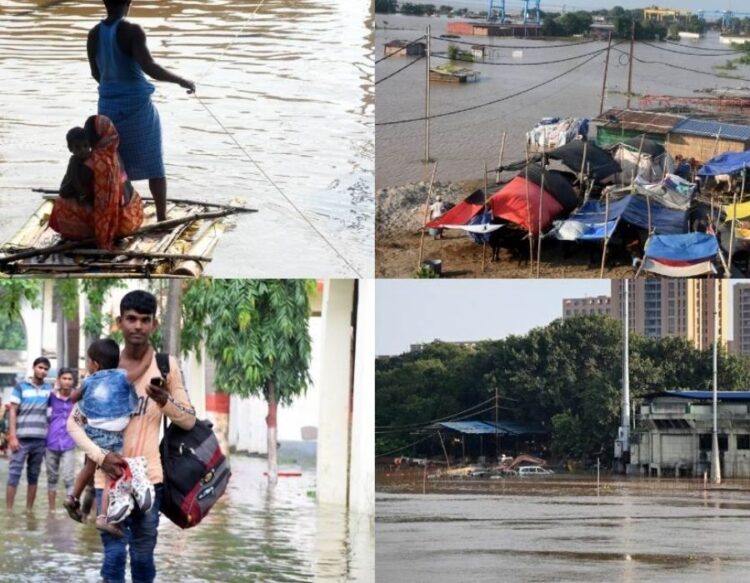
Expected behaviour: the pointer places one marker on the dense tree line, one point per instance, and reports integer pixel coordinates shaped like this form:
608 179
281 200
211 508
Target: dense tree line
565 376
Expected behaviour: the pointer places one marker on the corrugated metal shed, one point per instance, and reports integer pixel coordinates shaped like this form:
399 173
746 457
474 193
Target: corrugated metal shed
486 427
640 121
470 427
706 395
710 128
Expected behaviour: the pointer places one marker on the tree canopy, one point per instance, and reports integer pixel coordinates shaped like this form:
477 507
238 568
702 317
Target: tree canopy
565 376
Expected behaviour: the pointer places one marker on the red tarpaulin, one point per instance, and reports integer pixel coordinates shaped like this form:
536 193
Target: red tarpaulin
460 214
510 203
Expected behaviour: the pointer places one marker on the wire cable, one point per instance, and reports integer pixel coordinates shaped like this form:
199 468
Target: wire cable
671 66
397 71
728 52
415 41
525 47
446 57
438 419
699 48
406 446
494 101
278 189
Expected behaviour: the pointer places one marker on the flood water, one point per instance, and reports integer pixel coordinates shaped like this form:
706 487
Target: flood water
556 533
462 143
253 534
292 83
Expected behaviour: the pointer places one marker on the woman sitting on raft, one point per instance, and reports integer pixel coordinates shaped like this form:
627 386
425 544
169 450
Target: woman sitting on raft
96 198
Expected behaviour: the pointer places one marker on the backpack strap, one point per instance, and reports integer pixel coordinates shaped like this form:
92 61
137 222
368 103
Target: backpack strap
162 361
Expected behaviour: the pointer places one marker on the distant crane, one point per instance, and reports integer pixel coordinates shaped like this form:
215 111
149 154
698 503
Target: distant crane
725 16
499 7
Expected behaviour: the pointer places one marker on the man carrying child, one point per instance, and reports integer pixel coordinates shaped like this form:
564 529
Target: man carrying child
137 320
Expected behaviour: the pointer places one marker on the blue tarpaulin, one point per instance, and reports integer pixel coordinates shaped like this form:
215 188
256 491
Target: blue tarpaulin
480 219
705 395
726 163
685 247
587 223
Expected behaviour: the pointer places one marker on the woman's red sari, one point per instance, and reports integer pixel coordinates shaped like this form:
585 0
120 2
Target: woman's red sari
111 215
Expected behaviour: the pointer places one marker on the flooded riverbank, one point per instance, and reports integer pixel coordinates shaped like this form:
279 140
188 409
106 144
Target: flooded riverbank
275 80
560 530
253 534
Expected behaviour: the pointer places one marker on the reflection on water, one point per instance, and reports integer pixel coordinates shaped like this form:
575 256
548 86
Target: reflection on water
292 83
462 143
253 534
557 532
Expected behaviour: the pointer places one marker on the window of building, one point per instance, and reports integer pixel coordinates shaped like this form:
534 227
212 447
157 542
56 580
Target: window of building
704 442
743 442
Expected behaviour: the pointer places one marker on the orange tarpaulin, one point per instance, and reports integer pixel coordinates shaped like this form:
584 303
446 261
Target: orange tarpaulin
511 203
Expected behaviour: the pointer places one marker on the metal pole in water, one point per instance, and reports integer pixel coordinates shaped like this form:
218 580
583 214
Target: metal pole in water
715 467
626 381
597 476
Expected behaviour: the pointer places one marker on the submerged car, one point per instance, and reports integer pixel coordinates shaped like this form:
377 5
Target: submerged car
527 471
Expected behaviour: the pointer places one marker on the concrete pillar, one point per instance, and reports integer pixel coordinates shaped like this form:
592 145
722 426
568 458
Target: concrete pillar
194 375
333 435
362 474
247 425
217 408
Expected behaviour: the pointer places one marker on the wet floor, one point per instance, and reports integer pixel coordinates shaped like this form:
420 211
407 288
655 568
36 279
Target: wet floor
559 533
462 143
292 83
253 534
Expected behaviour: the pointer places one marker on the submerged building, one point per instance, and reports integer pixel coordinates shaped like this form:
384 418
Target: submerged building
673 434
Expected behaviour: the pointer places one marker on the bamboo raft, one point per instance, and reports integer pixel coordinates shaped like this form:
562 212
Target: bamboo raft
181 246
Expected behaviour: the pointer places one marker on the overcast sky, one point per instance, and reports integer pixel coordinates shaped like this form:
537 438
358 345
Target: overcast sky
557 5
412 311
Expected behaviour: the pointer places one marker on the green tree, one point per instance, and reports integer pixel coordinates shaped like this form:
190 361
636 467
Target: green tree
385 6
256 332
13 292
12 334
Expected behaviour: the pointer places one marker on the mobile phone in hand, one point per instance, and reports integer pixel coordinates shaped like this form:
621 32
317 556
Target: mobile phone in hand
157 381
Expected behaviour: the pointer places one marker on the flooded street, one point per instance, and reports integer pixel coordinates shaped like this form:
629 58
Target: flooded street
292 83
461 143
252 534
637 530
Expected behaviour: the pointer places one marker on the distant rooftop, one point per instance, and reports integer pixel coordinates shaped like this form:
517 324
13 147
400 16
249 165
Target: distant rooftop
711 128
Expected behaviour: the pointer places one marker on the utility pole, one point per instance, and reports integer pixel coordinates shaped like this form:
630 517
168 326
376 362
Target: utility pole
622 444
427 100
497 438
630 61
172 329
604 81
715 466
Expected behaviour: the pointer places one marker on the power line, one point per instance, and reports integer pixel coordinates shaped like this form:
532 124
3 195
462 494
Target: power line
671 66
525 47
397 71
417 425
699 48
415 41
406 446
727 52
445 56
494 101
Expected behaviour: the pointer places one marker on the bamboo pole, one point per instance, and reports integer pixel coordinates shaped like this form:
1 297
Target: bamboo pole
634 175
71 245
140 255
500 159
424 222
427 99
583 163
666 149
606 68
54 194
539 235
445 451
484 209
528 214
606 233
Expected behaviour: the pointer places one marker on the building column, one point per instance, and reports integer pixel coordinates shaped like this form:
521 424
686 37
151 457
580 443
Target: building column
335 398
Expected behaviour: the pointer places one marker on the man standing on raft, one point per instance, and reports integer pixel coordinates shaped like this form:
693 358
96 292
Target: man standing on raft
120 61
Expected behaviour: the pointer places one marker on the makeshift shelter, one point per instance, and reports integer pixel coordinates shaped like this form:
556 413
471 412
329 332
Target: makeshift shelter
726 163
703 138
684 255
599 163
461 213
588 222
672 191
654 162
616 125
552 132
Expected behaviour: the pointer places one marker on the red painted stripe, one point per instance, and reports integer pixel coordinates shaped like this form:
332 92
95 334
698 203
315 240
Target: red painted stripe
217 402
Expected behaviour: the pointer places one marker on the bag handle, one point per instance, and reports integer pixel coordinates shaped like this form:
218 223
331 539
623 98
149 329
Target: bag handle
162 361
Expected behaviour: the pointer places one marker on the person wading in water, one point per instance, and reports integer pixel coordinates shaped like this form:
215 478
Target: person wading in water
120 60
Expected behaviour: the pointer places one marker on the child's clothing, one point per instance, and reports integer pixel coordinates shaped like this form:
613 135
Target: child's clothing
77 181
107 401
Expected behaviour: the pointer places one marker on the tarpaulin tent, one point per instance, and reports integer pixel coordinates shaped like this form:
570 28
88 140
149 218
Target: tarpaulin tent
587 223
672 191
552 132
685 255
599 163
518 203
554 183
461 213
726 163
653 164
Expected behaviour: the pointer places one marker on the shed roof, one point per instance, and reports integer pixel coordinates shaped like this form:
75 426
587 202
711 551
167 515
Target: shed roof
641 121
704 395
488 427
707 127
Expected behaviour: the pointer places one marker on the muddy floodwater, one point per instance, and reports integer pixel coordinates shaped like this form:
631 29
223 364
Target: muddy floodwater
252 534
291 81
561 530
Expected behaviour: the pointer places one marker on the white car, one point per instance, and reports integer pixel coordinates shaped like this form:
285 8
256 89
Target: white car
530 471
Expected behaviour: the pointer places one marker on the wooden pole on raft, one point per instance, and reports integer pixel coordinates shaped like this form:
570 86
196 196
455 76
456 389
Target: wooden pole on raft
71 245
734 219
528 214
630 62
484 209
606 233
500 160
426 214
604 81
